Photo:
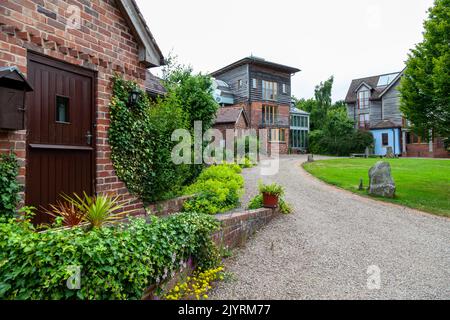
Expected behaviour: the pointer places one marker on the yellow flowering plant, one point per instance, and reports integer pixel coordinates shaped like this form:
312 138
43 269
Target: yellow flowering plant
197 286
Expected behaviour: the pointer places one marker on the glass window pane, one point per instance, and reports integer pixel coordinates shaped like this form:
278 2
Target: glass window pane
62 109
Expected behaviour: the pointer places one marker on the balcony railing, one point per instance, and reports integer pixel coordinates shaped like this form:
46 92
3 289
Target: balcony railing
276 122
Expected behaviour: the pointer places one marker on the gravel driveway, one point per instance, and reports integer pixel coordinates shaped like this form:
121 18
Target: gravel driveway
324 249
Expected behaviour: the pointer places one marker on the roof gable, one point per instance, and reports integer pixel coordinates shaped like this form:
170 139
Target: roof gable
149 53
371 82
365 85
392 84
230 115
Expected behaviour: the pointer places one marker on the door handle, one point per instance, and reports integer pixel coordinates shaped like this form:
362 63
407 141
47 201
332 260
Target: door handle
89 137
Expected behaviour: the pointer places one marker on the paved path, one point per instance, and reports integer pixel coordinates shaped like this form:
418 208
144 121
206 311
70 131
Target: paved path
324 249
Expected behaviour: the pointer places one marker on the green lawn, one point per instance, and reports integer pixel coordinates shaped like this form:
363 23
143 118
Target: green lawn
422 184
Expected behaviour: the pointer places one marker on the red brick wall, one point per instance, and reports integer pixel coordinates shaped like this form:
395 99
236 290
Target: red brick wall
255 114
237 228
423 150
104 43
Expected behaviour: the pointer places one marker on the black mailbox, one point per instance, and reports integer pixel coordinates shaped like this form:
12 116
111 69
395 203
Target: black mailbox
13 89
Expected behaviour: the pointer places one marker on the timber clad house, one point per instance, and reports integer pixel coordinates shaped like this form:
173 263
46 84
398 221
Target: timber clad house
63 144
374 104
262 90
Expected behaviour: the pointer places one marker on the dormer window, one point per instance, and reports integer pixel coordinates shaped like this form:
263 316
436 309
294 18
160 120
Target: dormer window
363 98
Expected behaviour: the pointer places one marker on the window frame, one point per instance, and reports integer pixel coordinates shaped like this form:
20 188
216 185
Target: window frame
254 83
364 100
366 120
67 111
277 135
269 118
269 90
385 139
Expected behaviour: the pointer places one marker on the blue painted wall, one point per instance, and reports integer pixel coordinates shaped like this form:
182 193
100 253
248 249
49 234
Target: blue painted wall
394 141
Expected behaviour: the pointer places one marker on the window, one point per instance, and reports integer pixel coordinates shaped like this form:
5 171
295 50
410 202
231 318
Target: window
239 84
269 90
269 114
385 138
364 121
62 109
277 135
387 79
299 121
299 139
363 99
285 88
254 84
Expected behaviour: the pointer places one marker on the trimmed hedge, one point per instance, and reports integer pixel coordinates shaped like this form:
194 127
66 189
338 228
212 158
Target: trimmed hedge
118 262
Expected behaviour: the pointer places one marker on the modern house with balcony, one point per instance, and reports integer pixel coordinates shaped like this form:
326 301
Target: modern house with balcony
374 104
263 90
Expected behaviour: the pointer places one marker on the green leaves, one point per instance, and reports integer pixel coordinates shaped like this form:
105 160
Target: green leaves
119 262
425 87
141 143
218 189
9 187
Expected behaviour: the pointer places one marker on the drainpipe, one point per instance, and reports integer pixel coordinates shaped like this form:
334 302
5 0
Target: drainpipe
430 145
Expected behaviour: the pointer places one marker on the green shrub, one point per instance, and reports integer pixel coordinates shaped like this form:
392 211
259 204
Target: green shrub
217 189
9 187
344 145
118 262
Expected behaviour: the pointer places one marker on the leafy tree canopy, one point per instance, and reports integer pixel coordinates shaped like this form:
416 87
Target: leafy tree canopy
425 87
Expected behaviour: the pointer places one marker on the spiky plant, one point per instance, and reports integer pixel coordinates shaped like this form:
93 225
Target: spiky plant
71 215
99 210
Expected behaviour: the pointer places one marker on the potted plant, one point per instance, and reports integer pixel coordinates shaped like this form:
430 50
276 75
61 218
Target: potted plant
271 194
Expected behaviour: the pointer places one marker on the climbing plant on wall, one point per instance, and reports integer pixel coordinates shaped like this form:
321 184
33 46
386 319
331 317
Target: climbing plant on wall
9 187
140 138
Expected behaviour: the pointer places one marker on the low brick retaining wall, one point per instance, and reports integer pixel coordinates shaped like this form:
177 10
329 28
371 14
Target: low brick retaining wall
169 207
238 227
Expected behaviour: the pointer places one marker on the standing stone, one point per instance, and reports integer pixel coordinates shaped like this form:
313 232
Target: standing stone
310 158
381 182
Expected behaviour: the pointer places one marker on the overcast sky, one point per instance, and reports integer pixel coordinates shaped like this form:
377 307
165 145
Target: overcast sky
347 38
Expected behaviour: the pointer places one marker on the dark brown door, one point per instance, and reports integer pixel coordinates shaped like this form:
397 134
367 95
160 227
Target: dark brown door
60 137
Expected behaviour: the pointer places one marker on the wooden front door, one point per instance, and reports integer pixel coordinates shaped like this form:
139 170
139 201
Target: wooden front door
60 140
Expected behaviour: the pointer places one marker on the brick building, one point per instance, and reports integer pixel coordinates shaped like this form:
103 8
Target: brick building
263 88
231 118
69 51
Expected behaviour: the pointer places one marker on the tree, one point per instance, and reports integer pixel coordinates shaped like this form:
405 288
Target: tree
332 131
319 106
194 92
425 88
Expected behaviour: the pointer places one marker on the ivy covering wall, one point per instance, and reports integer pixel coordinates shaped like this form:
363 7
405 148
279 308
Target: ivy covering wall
140 135
9 186
140 138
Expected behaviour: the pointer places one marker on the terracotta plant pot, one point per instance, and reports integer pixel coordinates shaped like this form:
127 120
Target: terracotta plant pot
270 201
